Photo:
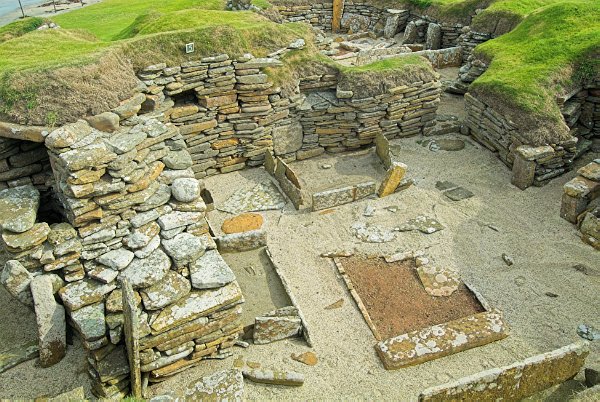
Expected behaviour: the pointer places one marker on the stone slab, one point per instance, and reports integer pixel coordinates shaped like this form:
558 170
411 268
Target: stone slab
245 241
10 358
210 271
50 318
516 381
18 208
441 340
131 330
227 385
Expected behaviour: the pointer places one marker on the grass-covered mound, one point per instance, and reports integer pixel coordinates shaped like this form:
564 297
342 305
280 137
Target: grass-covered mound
53 76
553 49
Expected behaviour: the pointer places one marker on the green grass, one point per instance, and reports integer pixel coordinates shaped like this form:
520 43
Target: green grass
530 64
388 65
113 19
19 28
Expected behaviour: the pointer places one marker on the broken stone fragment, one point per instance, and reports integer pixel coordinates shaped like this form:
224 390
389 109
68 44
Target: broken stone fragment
392 180
178 219
277 325
18 208
184 248
264 376
16 279
68 134
245 241
225 385
421 223
50 318
210 271
308 358
142 273
60 233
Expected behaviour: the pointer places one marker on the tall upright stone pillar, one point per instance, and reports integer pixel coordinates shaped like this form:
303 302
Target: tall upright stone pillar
338 11
131 329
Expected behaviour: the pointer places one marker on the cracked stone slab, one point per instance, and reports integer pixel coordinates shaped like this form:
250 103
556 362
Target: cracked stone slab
423 224
145 272
170 289
441 340
82 293
18 208
438 281
263 197
210 271
372 234
516 381
90 321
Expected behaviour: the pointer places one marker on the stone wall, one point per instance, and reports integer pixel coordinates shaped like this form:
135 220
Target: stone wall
135 213
229 113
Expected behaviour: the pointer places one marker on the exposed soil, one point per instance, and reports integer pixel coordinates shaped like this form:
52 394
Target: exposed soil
396 300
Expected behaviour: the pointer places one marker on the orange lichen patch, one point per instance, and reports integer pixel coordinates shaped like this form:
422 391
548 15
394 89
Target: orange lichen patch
242 223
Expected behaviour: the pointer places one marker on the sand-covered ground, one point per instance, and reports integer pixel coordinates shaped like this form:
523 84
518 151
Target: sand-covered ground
499 219
42 8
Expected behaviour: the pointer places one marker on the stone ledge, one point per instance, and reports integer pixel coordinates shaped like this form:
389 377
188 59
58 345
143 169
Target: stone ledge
442 340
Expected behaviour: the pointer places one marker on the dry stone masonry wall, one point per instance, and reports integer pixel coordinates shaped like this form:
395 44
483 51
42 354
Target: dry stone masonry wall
135 212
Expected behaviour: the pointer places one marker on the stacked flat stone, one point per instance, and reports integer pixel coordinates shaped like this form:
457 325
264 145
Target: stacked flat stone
226 109
469 40
495 132
344 122
580 203
136 212
23 163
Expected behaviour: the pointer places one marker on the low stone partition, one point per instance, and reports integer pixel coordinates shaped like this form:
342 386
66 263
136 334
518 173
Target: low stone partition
516 381
343 195
288 179
441 58
135 214
580 203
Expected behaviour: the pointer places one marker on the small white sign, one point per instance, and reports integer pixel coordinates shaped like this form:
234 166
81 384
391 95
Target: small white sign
189 47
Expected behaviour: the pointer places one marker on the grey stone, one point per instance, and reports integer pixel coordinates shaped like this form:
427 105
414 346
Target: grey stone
143 218
167 291
421 223
227 385
16 279
178 160
445 185
82 293
50 318
280 324
126 141
116 259
90 321
18 208
265 376
371 233
210 271
263 197
287 139
184 248
434 37
458 194
185 189
145 251
142 273
244 241
410 33
391 26
178 219
14 356
107 122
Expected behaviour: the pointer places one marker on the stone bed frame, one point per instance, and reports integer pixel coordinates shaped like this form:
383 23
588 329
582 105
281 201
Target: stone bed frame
290 182
448 338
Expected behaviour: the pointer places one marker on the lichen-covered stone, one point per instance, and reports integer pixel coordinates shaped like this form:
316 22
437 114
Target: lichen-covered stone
516 381
277 325
35 236
185 189
145 272
50 318
245 241
16 279
178 219
167 291
195 305
82 293
421 223
438 281
16 355
184 248
210 271
242 223
264 376
116 259
18 208
90 321
227 385
441 340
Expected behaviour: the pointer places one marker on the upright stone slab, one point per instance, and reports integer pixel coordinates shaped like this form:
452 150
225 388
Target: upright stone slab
392 179
50 318
131 329
382 149
434 37
338 11
523 172
514 382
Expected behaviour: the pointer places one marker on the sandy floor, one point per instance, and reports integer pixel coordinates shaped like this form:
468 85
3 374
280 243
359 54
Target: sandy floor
544 246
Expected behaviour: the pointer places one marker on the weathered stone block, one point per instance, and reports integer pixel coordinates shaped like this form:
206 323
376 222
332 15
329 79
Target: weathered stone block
332 198
287 139
514 382
50 318
393 177
523 172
